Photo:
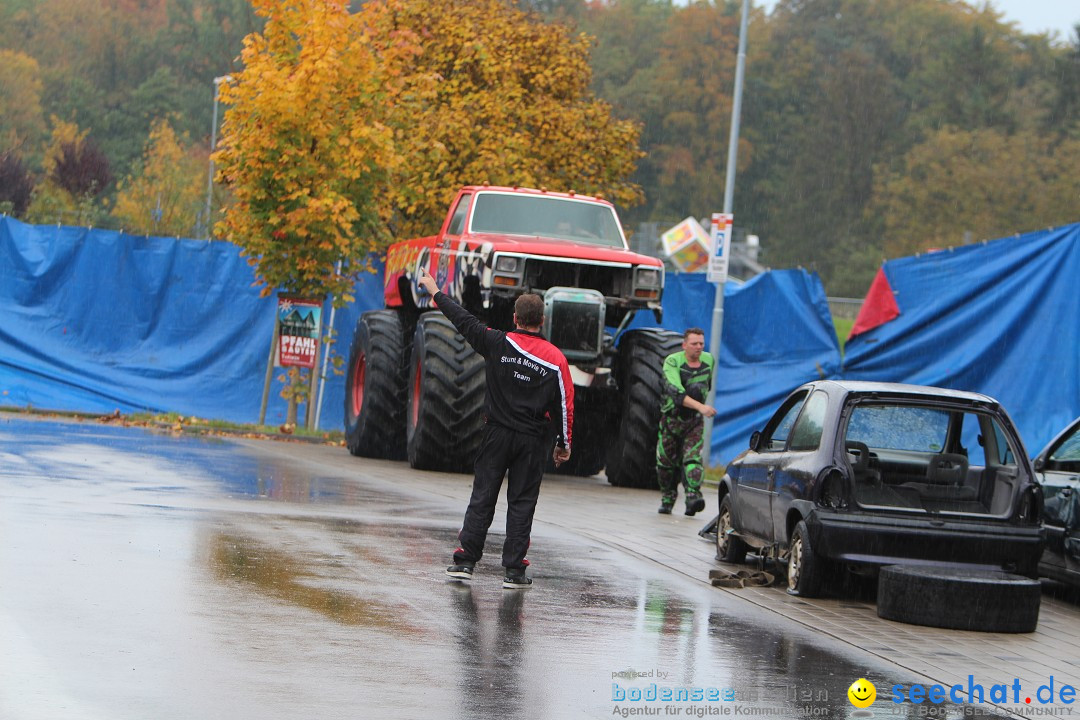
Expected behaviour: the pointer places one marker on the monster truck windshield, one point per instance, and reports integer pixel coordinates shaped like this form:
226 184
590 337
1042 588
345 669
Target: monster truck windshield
549 217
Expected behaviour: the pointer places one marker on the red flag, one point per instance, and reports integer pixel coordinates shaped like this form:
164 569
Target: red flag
879 306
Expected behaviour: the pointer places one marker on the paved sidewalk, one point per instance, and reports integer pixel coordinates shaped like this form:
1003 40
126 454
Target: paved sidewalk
627 520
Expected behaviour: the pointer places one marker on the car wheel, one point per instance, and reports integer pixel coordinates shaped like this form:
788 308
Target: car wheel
729 548
375 387
444 415
805 567
631 460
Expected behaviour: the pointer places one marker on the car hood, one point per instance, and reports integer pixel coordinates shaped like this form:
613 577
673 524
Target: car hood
538 245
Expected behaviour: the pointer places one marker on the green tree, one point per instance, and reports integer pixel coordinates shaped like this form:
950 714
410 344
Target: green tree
75 172
165 196
21 118
840 90
963 185
16 185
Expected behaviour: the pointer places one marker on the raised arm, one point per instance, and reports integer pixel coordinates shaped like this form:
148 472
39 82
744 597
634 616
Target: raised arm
474 331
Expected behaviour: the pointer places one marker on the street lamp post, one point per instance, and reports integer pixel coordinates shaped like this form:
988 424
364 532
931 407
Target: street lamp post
213 146
729 196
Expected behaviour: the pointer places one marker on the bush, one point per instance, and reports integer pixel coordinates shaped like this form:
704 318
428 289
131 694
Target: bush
16 185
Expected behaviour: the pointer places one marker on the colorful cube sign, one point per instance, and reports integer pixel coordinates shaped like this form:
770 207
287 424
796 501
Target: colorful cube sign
687 244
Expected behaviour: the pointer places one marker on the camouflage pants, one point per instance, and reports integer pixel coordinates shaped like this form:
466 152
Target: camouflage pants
678 451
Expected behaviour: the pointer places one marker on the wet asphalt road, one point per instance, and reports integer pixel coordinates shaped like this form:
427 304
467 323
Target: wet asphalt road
150 576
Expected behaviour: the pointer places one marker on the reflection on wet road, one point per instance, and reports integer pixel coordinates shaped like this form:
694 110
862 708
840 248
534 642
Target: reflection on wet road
144 576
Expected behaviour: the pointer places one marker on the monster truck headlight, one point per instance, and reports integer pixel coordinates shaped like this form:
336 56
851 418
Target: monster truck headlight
647 282
648 277
507 264
574 322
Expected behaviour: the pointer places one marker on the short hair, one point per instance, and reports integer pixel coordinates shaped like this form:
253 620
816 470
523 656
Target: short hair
529 309
692 331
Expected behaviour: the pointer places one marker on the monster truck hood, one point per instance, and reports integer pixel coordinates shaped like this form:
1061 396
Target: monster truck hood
563 249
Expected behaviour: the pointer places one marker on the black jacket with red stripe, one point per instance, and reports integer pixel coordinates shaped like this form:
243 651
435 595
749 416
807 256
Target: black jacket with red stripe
528 379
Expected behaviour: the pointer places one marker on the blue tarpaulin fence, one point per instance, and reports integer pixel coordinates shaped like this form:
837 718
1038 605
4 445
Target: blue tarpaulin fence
96 321
1001 318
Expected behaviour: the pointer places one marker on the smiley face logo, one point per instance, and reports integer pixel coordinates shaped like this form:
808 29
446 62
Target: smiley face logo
862 693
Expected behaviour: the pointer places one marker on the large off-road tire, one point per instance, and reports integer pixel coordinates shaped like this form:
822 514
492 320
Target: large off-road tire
959 598
444 417
806 569
729 548
375 387
631 459
592 433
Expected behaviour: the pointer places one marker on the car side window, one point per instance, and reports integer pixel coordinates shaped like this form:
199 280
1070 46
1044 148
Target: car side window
457 222
806 434
1004 451
1069 450
781 425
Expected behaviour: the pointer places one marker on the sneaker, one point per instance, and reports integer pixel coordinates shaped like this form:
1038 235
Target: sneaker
463 571
665 508
694 503
516 580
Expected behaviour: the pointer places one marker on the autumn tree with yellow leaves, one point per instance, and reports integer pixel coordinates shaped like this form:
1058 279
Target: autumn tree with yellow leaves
344 131
497 96
305 152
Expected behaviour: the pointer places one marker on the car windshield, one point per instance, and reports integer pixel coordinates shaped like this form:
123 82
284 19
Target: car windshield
549 217
922 458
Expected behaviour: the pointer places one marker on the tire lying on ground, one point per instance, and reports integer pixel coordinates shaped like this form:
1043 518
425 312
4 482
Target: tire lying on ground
444 414
959 598
375 387
631 460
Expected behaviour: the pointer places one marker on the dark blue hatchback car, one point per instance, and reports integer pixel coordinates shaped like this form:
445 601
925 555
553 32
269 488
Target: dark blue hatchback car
859 475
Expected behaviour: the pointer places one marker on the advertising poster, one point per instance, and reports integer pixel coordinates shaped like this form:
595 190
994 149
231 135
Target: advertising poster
299 322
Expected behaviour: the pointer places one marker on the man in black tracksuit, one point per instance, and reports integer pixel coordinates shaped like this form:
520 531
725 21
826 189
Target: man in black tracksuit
529 398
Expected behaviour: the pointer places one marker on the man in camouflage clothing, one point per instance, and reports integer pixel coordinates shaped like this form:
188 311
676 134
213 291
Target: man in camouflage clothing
687 379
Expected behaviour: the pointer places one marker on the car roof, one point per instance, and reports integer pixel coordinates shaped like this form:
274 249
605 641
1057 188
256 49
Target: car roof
518 190
863 387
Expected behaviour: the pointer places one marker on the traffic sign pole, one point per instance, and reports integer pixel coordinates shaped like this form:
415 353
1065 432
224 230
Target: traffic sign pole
729 196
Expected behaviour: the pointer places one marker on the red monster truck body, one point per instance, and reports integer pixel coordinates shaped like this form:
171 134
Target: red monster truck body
415 389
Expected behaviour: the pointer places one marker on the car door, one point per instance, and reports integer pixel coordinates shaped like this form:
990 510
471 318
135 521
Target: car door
753 500
1058 469
799 464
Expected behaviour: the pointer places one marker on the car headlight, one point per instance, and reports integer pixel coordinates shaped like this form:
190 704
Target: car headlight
506 263
648 277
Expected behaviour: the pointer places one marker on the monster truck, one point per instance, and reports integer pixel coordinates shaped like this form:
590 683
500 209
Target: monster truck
415 389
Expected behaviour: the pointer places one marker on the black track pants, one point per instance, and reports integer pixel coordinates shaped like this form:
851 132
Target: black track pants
524 457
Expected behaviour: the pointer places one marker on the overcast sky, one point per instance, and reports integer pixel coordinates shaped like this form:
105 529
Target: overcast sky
1031 15
1041 15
